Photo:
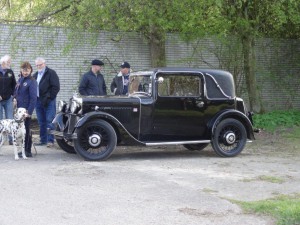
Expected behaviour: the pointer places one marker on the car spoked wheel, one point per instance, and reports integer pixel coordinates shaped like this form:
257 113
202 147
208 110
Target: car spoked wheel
229 138
95 140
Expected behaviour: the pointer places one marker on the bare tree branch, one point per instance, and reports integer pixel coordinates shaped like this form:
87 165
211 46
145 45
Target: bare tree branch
40 18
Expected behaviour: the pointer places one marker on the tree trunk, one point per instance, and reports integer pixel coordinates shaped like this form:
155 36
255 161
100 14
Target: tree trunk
249 68
157 47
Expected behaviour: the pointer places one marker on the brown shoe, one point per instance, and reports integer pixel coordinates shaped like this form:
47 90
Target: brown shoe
50 145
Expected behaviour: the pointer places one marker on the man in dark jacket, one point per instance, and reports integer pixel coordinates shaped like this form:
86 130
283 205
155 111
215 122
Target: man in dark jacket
7 87
92 82
48 88
119 85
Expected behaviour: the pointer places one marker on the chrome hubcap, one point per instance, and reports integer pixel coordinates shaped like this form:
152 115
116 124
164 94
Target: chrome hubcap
95 140
230 138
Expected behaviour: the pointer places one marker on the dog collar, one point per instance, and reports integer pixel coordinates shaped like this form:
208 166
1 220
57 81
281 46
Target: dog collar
18 121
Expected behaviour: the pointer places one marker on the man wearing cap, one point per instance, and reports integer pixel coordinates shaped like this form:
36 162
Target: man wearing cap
92 82
119 85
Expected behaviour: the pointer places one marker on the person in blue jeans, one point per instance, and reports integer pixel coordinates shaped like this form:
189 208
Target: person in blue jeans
7 87
47 90
26 97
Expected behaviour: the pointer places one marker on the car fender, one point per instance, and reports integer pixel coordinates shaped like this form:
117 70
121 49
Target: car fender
116 124
235 115
95 114
58 121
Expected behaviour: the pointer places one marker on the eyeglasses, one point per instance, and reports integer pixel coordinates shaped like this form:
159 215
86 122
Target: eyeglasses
38 65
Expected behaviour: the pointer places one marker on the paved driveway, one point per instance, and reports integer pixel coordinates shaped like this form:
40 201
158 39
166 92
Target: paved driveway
163 186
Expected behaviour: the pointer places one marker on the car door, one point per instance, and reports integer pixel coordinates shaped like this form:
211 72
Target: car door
179 107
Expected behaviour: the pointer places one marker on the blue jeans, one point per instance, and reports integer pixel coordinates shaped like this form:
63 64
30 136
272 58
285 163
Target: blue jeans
7 106
45 116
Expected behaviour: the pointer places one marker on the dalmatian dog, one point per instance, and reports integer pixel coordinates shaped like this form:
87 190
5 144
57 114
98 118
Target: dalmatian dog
16 128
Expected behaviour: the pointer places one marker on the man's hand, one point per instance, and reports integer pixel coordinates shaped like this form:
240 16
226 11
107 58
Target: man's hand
15 103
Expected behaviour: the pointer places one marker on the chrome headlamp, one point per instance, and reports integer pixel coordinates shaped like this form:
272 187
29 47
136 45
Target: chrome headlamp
62 106
75 105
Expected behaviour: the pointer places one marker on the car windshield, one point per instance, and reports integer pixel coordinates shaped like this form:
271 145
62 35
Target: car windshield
140 84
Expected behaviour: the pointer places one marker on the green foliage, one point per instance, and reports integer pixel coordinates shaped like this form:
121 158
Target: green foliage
192 19
277 119
286 209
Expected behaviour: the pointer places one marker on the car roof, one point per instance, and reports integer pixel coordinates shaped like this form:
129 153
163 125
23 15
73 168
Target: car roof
213 72
215 79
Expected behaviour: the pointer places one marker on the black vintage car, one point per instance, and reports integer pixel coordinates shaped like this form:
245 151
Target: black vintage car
165 106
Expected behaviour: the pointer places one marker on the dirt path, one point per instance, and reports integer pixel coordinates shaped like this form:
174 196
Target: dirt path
154 186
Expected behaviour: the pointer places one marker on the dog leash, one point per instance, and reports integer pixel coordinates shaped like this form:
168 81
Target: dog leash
34 149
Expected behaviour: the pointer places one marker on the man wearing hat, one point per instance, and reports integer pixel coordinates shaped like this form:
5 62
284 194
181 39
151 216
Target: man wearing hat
92 82
119 85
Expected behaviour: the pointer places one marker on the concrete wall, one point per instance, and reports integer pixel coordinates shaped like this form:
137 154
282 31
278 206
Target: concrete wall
72 58
70 55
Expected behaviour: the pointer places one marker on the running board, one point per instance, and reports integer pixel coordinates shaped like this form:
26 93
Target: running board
177 143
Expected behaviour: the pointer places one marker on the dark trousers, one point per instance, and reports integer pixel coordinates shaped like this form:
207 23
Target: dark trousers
28 136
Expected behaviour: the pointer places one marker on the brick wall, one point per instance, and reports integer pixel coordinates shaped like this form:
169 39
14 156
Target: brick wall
70 55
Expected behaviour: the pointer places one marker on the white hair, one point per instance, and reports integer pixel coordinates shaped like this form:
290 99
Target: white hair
40 59
5 59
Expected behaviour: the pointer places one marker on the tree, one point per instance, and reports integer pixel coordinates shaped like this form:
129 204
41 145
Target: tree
248 20
152 18
245 20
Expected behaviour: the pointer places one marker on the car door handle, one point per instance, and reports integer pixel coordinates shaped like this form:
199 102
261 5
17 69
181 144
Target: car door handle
199 104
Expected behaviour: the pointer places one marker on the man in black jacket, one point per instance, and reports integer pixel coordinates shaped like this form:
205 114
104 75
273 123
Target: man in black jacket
48 88
92 82
120 83
7 87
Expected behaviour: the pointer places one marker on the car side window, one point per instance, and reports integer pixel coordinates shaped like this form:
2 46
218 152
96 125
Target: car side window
140 84
179 85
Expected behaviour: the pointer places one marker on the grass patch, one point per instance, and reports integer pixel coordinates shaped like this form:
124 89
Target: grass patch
285 209
294 134
270 179
277 119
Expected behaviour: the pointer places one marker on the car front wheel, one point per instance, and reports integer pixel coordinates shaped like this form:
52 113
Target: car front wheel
96 140
229 138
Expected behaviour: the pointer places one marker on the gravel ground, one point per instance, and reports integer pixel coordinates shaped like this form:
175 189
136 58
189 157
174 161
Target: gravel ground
166 186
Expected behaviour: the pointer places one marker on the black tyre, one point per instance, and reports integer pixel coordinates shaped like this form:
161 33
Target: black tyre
66 146
194 147
229 138
96 140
